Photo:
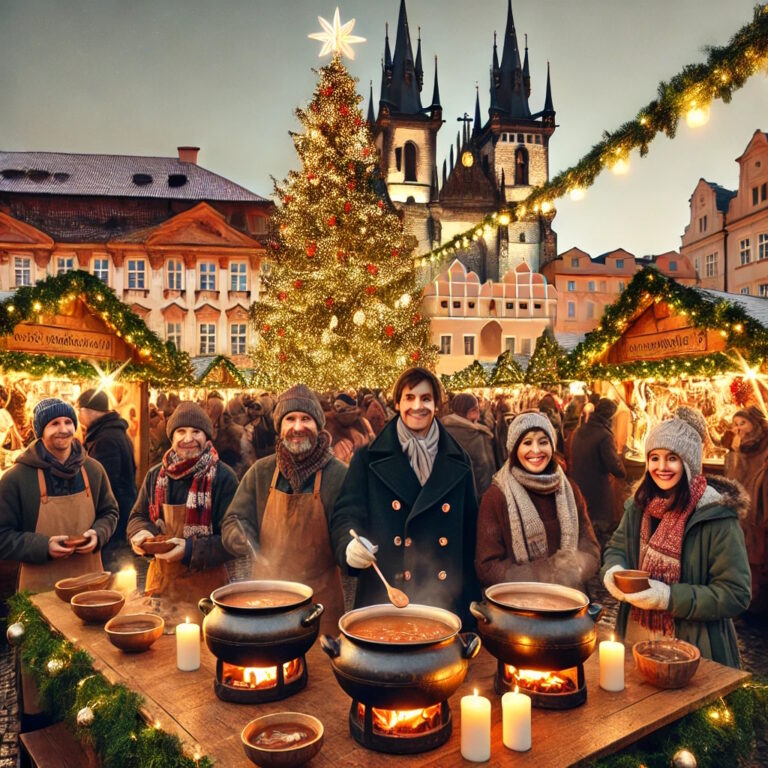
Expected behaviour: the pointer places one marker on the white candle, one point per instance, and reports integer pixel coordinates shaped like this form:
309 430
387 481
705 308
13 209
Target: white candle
125 581
475 728
516 720
188 646
611 665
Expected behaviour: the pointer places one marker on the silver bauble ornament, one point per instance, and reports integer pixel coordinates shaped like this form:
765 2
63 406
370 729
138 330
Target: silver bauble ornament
683 759
15 633
85 717
54 666
359 317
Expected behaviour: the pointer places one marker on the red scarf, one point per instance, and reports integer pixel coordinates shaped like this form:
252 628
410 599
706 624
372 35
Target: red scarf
660 553
199 499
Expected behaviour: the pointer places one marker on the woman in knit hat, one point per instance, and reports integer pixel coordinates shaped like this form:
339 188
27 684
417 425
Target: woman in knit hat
683 528
747 463
533 523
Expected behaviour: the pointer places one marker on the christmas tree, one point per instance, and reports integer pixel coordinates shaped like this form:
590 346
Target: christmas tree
544 365
341 303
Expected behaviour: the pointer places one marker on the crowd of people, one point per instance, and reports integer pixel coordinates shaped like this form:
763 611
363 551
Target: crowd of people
447 496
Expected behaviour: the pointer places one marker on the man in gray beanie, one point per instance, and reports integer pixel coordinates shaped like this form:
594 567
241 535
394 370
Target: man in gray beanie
284 501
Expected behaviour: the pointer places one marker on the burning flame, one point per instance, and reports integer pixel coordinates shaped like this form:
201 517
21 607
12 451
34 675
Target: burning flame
535 680
266 677
403 722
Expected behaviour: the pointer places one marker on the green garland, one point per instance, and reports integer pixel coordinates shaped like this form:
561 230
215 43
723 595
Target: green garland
222 361
68 682
727 69
161 364
505 373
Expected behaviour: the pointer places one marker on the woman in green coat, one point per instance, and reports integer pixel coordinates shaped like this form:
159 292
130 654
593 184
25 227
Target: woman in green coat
684 529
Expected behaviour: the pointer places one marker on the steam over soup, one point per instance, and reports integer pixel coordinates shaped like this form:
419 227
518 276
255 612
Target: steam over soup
536 601
256 598
399 629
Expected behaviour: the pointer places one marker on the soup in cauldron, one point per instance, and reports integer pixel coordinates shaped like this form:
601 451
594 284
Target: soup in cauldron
536 601
267 598
283 736
399 629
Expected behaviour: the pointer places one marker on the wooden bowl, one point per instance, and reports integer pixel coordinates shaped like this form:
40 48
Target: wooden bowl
157 545
287 756
134 632
74 541
631 581
66 589
666 663
97 606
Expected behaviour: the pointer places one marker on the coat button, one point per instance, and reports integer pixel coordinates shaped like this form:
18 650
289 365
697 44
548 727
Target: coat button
398 541
408 541
443 541
442 575
407 575
446 507
396 505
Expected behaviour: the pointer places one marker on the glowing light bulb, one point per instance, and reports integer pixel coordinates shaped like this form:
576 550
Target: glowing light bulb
620 166
697 115
577 193
504 219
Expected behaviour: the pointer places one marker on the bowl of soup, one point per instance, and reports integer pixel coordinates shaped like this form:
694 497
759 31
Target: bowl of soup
134 632
666 663
282 739
98 605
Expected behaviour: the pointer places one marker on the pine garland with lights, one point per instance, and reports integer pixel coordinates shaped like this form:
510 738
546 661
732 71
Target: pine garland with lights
222 362
548 356
738 329
726 69
161 363
507 371
472 377
68 683
341 302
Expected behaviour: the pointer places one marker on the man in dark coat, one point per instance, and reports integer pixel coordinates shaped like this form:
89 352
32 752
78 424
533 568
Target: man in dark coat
107 441
411 496
593 460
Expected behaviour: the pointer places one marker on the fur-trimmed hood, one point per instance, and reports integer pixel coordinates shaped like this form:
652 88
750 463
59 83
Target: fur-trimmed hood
727 493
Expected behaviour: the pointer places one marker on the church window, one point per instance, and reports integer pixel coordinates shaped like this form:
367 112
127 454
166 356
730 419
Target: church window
521 166
399 158
445 345
522 237
410 161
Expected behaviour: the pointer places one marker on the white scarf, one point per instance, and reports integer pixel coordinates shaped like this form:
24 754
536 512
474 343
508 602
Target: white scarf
421 451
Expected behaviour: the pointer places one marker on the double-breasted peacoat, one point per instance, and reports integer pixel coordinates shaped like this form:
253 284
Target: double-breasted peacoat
426 535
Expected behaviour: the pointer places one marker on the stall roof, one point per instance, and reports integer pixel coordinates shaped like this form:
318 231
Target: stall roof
755 306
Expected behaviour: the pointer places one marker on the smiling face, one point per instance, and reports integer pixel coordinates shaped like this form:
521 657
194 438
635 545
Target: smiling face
534 452
298 431
417 407
189 442
665 468
58 435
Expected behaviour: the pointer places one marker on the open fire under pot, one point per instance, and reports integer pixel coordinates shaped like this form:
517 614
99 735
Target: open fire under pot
541 635
259 632
400 666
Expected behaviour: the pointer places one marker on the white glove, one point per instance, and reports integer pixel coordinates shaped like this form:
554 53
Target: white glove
655 598
136 540
610 584
360 554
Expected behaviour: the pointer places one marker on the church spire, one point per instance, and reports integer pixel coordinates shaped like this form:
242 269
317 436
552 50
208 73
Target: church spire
526 70
370 118
436 92
477 125
548 114
511 98
495 55
419 68
387 52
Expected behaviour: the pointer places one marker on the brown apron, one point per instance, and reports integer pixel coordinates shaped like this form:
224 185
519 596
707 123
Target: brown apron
294 539
57 515
179 588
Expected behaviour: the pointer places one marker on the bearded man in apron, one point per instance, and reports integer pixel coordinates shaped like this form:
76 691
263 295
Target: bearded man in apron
54 491
284 502
184 497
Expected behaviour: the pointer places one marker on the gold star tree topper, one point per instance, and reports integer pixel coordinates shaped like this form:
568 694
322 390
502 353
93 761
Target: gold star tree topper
336 38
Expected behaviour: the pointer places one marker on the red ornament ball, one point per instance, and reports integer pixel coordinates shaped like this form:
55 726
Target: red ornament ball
311 249
395 253
313 106
287 199
741 391
275 245
266 328
282 296
329 302
416 319
297 284
331 221
344 109
370 290
416 356
390 331
350 185
347 207
372 268
358 122
281 332
340 256
380 203
311 175
328 91
281 357
366 151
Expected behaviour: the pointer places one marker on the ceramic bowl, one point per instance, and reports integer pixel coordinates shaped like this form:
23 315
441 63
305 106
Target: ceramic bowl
283 756
74 541
157 545
66 589
97 606
631 581
666 663
134 632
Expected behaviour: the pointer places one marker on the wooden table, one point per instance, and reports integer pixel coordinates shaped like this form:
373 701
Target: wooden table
184 703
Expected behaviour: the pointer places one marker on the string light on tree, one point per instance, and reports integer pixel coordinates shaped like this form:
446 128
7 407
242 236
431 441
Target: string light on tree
697 115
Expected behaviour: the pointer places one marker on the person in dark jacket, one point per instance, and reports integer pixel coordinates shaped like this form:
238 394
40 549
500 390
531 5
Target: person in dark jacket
411 496
683 528
185 498
107 441
593 460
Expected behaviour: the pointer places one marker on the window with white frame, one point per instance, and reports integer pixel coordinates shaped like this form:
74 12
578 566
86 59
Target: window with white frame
745 291
697 266
238 276
525 346
173 334
619 263
100 269
745 251
574 261
711 265
445 344
762 246
571 285
762 290
64 264
238 338
509 344
572 309
22 271
207 338
174 270
591 286
469 345
207 272
137 273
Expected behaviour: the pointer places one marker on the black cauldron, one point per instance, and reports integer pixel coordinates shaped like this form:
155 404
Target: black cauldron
260 636
558 634
399 675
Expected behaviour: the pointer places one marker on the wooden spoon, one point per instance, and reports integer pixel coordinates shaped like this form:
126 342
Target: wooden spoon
397 597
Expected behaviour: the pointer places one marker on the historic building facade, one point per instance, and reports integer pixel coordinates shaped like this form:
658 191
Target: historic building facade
179 244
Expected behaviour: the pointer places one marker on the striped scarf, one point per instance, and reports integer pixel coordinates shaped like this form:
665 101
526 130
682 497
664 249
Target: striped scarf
421 451
660 553
199 499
